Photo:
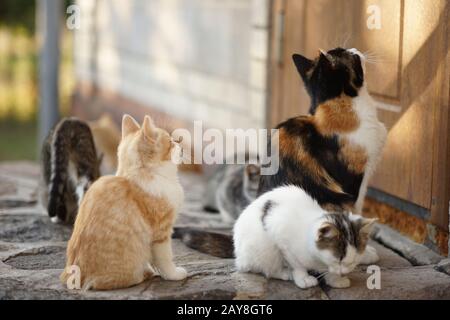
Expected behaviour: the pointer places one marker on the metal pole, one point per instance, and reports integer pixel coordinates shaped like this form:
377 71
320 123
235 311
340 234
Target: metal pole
48 27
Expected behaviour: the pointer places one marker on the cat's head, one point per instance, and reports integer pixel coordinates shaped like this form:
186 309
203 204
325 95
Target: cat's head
146 145
341 240
331 74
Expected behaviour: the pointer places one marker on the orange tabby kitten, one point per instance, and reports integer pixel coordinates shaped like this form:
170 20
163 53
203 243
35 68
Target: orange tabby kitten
124 224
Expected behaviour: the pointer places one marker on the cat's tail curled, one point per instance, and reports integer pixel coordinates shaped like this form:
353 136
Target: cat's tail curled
214 243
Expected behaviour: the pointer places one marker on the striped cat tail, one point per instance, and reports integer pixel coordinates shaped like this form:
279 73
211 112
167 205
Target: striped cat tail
214 243
59 171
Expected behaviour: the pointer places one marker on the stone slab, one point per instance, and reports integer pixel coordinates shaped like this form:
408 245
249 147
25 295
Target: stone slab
422 282
32 255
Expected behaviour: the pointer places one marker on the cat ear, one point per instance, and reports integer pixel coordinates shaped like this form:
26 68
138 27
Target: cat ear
366 225
324 59
149 127
327 231
252 170
129 125
304 65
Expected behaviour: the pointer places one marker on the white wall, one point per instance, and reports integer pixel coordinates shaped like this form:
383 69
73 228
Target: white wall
194 59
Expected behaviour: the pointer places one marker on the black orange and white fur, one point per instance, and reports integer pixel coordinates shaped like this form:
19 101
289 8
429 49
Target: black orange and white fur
332 152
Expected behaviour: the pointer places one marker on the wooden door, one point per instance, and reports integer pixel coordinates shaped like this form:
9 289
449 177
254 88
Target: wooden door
409 80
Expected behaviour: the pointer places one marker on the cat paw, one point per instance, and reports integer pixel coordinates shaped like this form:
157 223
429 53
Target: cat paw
336 281
55 220
178 274
370 256
306 282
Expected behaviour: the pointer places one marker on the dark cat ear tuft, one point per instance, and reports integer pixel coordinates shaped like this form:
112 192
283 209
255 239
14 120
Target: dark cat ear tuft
304 65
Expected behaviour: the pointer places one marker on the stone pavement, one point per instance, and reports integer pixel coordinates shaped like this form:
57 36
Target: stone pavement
32 255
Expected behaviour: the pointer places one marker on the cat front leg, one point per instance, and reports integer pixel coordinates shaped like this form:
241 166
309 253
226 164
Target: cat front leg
337 281
302 279
369 256
163 261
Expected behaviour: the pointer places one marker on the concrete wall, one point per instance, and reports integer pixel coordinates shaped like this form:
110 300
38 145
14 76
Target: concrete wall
193 59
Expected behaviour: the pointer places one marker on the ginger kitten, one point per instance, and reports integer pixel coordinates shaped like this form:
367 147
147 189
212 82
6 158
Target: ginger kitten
124 224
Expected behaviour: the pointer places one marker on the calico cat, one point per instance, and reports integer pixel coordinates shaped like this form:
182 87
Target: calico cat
69 166
122 232
285 233
331 153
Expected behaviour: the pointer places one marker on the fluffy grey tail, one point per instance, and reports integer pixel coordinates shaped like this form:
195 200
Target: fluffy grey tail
210 242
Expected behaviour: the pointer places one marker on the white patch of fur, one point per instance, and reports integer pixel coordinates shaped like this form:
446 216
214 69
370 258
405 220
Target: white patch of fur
165 184
55 219
79 183
371 135
287 239
80 188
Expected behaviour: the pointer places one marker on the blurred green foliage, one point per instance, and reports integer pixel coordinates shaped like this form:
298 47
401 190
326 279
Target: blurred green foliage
19 78
18 140
18 14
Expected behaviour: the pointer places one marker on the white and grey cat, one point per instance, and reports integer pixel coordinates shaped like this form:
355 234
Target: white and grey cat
285 233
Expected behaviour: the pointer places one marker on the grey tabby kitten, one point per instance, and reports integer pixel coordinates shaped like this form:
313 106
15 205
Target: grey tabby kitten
69 166
231 189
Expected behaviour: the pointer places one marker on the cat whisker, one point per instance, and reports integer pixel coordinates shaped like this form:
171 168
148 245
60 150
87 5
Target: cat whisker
322 275
347 39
